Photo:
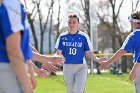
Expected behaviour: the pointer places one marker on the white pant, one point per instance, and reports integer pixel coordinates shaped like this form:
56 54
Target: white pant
75 77
8 80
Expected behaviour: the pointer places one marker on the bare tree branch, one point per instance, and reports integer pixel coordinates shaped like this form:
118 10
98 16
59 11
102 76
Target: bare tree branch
117 14
137 4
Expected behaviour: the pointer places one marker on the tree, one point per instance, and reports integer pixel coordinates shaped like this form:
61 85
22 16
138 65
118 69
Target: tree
41 25
58 20
112 23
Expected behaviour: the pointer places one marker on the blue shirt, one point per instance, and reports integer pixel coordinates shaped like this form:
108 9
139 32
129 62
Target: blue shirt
132 43
73 46
12 19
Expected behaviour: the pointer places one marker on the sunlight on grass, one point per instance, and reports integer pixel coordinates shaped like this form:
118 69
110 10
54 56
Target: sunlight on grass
104 83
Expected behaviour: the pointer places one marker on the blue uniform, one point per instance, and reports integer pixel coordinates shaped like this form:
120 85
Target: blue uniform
73 46
12 19
132 43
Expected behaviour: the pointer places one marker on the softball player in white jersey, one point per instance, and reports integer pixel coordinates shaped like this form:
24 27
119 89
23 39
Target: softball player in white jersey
75 45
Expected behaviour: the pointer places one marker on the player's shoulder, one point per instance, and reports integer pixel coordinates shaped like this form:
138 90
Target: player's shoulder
136 33
12 5
83 33
64 33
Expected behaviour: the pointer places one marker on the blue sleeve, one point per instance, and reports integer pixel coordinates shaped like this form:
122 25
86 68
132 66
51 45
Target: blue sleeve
128 43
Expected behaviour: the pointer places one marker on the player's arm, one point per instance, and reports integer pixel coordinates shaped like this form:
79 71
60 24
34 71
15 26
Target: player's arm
89 51
41 58
117 56
114 58
34 49
133 72
17 61
93 57
31 73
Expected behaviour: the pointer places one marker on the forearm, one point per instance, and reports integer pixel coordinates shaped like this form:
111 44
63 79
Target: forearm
116 56
41 58
36 69
34 49
92 56
18 66
30 68
13 47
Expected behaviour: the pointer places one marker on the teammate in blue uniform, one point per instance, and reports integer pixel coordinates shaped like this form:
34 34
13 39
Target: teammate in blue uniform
14 48
132 43
75 46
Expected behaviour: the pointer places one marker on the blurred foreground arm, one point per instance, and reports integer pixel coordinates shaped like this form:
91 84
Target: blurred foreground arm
17 61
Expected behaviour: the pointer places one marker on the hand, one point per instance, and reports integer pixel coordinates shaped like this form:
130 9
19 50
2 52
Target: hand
48 66
33 82
57 60
132 74
101 60
104 65
42 73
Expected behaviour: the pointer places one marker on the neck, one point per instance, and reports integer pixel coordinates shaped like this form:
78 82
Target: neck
73 31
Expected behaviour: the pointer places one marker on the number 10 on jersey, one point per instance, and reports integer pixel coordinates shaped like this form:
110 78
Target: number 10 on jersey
72 51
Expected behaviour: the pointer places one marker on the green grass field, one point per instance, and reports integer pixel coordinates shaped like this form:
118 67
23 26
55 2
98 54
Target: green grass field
104 83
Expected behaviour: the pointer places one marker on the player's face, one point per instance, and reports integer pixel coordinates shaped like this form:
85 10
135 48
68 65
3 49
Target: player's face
73 24
135 25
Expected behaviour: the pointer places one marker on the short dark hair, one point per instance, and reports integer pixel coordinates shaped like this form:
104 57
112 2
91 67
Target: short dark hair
73 16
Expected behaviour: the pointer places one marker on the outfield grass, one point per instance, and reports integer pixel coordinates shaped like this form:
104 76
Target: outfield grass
104 83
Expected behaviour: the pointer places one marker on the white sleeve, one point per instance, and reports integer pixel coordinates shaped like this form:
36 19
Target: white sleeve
57 43
89 42
15 14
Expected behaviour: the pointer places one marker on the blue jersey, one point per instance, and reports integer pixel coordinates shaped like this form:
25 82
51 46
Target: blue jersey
132 43
12 19
74 46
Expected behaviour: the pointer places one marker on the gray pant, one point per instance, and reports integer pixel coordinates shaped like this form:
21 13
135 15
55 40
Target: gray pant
137 82
75 77
8 80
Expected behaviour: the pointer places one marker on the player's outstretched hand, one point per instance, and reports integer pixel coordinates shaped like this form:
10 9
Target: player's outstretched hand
42 73
104 65
49 67
101 60
57 60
